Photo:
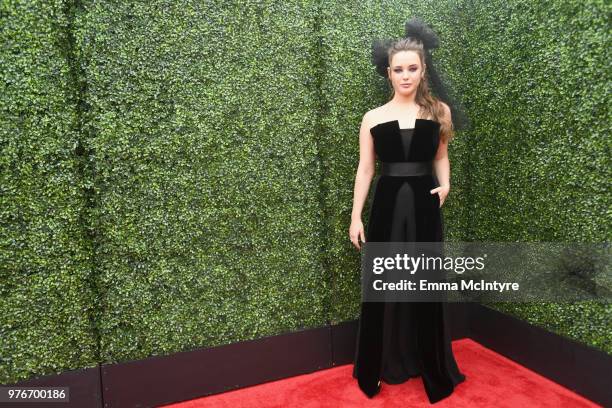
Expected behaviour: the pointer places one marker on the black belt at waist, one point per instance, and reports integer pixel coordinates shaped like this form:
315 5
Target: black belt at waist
417 168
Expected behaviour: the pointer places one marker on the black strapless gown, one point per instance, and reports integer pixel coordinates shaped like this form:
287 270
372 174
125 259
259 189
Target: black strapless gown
400 340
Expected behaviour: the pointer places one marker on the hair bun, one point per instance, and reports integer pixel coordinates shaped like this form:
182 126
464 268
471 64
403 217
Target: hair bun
416 28
380 55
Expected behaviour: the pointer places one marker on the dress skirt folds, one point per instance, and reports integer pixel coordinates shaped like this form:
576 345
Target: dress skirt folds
400 340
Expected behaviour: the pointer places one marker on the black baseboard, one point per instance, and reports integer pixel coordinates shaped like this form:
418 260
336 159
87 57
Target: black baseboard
581 368
192 374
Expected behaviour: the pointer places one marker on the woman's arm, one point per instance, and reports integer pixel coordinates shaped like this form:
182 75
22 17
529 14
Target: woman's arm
363 178
442 166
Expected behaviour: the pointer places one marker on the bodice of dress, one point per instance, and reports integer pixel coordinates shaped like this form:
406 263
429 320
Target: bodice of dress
393 144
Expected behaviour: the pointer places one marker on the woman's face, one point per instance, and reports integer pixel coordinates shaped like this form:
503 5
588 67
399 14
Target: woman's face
405 72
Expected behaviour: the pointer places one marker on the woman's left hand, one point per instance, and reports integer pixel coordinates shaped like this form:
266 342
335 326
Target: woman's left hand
442 192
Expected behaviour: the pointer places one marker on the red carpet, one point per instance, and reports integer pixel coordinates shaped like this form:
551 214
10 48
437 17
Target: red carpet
491 381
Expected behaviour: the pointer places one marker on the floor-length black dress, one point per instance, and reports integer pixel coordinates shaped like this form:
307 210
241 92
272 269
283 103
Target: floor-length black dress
399 340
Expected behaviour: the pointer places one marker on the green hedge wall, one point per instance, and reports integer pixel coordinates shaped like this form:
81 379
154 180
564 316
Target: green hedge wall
178 175
538 80
202 121
47 306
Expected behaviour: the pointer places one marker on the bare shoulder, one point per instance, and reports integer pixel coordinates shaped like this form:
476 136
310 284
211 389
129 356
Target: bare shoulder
374 116
369 118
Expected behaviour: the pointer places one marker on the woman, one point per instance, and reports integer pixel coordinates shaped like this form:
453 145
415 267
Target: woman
410 135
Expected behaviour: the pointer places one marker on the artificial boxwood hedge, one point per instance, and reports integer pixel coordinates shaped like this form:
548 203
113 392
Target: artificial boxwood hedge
178 175
47 304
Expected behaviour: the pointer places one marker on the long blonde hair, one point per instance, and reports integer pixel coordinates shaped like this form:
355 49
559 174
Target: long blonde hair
430 106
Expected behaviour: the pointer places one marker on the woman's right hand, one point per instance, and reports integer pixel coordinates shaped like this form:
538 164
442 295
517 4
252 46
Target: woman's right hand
355 232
